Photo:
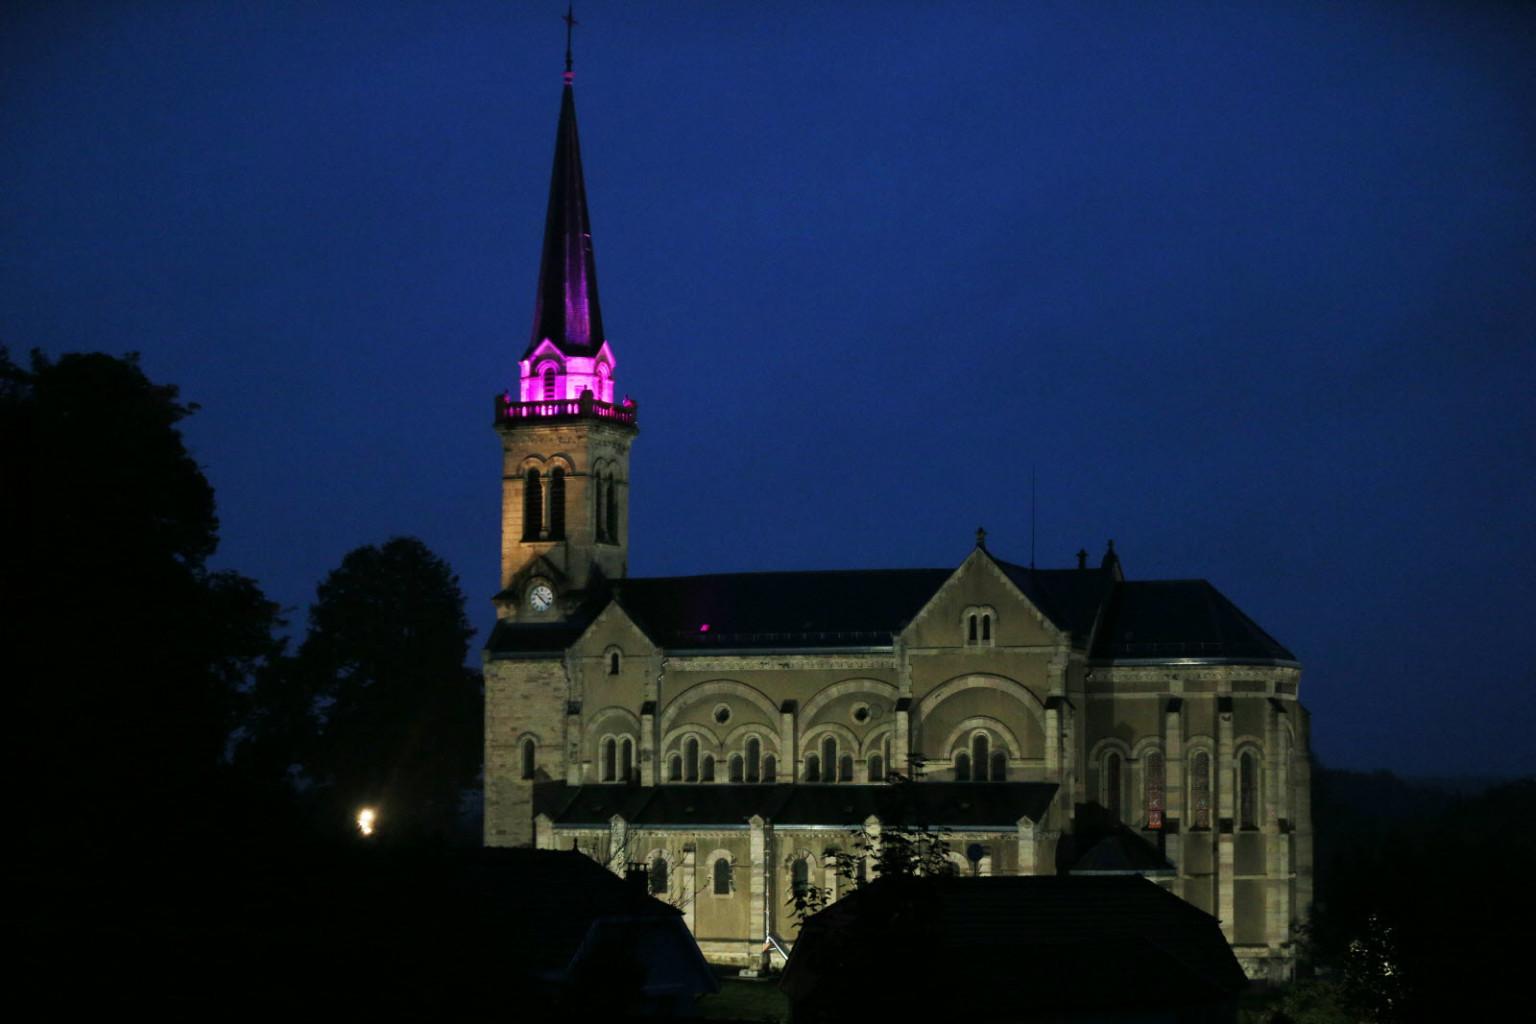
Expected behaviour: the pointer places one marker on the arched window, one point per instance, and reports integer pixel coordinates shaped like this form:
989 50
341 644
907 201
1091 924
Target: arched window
602 383
533 505
608 757
691 757
1248 790
770 769
861 871
737 769
557 504
754 758
613 510
722 872
599 507
979 757
659 876
530 758
1152 772
829 757
707 770
549 384
999 766
845 769
812 768
986 629
675 769
962 767
1112 769
627 760
876 768
1200 784
970 632
613 663
800 878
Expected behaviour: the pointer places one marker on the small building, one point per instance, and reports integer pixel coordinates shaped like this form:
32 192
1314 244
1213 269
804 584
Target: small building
571 935
1107 948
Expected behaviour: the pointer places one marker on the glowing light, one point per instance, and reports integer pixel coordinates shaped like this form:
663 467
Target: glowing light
367 820
703 627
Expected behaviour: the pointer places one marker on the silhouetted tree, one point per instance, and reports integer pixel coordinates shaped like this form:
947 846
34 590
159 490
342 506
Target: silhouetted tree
123 656
378 707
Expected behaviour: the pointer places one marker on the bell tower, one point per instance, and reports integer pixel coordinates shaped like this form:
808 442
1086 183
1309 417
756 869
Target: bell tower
565 433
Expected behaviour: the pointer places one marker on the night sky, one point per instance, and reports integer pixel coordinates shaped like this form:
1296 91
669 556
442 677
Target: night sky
1251 291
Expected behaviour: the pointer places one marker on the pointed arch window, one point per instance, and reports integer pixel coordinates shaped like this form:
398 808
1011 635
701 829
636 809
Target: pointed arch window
533 505
999 766
979 757
754 758
722 873
530 755
1248 790
557 503
1152 797
691 757
800 878
659 876
1200 786
962 767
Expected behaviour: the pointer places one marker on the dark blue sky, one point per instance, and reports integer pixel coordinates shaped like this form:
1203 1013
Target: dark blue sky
1251 287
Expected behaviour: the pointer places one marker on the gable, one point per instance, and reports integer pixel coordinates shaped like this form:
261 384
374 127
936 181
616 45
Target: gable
980 587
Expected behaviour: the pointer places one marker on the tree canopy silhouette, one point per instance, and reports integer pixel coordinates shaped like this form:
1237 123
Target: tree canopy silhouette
124 656
377 707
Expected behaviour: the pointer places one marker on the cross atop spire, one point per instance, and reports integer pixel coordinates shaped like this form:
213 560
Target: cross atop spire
570 24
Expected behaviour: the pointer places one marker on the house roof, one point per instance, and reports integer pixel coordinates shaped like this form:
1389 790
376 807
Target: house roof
1115 620
547 901
950 805
1078 943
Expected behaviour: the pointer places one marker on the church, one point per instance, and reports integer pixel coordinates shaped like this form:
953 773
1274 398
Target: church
728 734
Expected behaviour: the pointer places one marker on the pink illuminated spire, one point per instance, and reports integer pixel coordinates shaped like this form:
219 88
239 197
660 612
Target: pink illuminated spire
566 309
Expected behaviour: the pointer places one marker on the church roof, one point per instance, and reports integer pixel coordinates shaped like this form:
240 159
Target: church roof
951 805
566 309
1116 620
1173 619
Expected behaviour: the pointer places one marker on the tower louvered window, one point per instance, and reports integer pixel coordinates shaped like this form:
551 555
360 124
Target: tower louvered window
557 504
533 505
612 499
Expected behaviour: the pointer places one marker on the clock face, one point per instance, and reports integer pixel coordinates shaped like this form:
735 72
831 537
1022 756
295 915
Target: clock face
540 598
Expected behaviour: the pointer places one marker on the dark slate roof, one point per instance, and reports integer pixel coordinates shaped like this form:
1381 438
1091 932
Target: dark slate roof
566 309
1069 943
843 608
952 805
1164 619
1115 620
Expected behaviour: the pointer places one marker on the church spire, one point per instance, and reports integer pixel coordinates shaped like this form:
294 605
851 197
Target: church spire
565 309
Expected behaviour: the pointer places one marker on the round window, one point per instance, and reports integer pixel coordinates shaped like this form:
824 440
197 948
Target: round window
722 714
861 713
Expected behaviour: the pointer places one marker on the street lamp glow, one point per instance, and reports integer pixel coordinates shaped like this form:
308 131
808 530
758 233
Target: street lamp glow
366 818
